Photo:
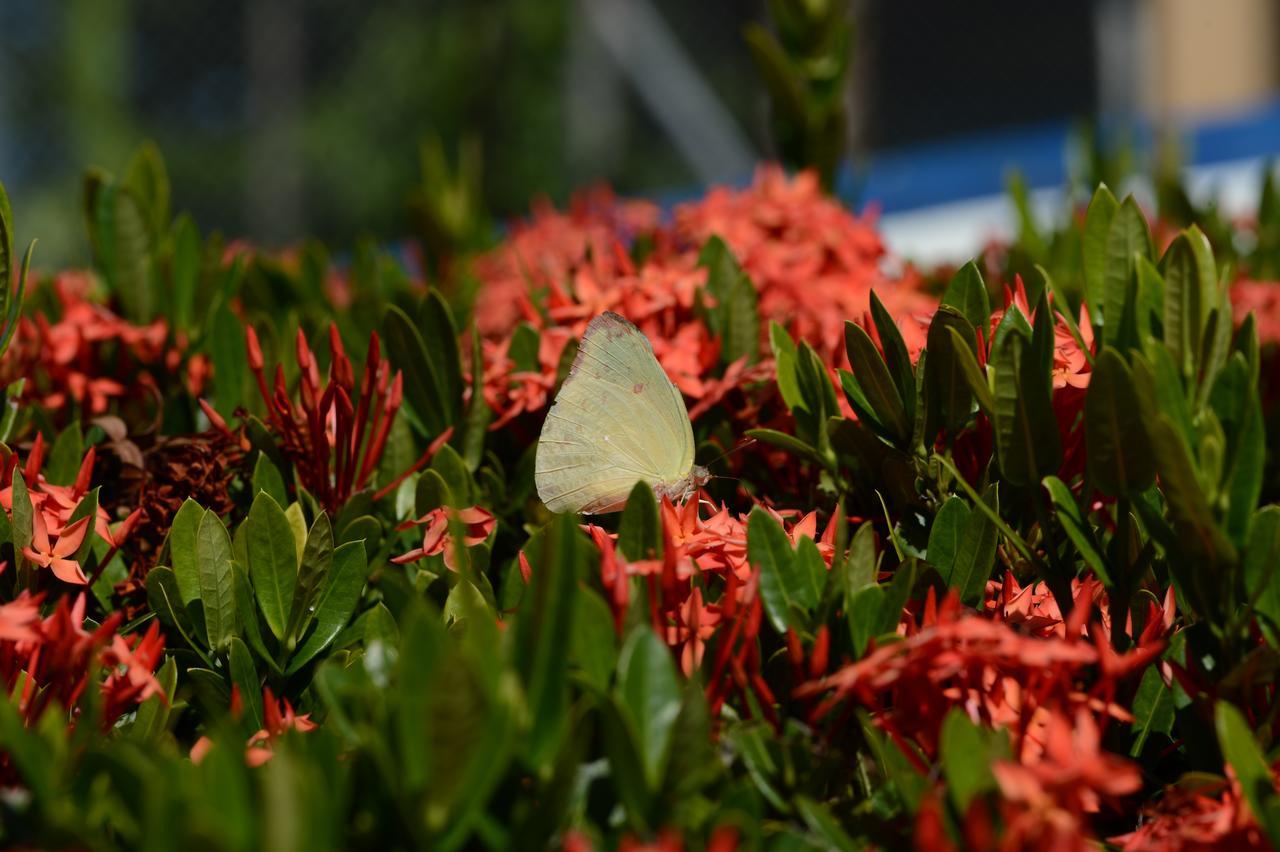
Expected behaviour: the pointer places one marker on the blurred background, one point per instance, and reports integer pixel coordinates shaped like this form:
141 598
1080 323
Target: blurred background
282 118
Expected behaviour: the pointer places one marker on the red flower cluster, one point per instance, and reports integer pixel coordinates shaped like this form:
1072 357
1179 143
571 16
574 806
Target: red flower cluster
703 593
55 537
278 719
1001 677
56 658
80 357
812 262
335 444
1200 815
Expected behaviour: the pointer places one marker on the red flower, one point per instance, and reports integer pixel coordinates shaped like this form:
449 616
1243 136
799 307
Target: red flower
477 522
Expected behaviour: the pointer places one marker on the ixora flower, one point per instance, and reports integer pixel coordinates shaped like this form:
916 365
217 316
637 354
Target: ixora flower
475 522
80 356
1000 677
811 262
278 719
333 436
56 537
55 658
1070 364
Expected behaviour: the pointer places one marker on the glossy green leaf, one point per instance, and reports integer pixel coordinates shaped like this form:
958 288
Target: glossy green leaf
594 647
640 530
789 596
967 753
1127 239
63 461
544 630
949 395
944 536
1262 569
335 603
1093 245
266 477
975 552
213 567
424 390
879 395
314 568
1027 439
244 675
974 377
896 357
273 561
1119 457
1152 709
649 690
1241 751
1076 527
967 294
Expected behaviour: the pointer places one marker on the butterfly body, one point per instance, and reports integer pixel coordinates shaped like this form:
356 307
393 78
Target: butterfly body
616 420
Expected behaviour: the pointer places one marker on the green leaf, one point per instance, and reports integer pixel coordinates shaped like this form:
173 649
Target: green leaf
23 515
828 831
950 398
244 674
733 317
314 569
1026 429
424 390
879 394
184 273
453 470
1152 709
896 357
440 336
1208 555
975 552
478 412
963 350
266 477
217 594
861 566
1119 457
182 549
967 294
649 692
1241 751
783 441
152 719
789 596
785 357
594 646
640 530
430 493
336 602
1076 527
544 630
63 461
967 753
166 603
273 561
124 251
1127 239
944 535
1093 247
1243 481
249 618
230 360
1261 577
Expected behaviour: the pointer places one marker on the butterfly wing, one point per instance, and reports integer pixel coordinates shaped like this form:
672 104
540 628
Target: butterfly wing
617 420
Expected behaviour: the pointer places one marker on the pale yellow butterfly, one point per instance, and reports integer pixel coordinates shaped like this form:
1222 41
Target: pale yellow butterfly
616 421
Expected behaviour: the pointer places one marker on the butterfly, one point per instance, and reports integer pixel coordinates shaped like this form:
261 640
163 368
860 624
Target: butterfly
616 421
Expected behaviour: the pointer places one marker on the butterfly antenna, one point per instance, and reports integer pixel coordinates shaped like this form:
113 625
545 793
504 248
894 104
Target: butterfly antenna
742 445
